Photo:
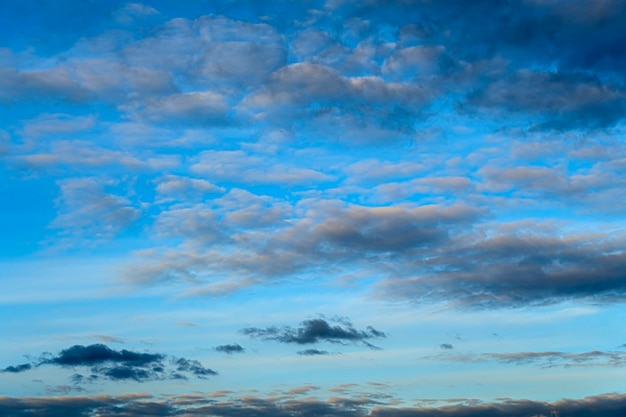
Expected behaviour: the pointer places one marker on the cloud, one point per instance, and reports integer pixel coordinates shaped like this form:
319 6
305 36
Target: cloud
512 270
366 109
118 365
193 366
173 188
230 349
135 405
86 209
47 124
544 359
561 100
446 346
253 169
131 11
79 355
211 51
263 242
313 352
550 359
108 339
189 109
315 331
18 368
63 389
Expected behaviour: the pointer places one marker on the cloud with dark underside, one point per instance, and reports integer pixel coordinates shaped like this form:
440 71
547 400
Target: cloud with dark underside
230 348
18 368
139 405
514 271
123 365
559 101
446 346
316 331
95 354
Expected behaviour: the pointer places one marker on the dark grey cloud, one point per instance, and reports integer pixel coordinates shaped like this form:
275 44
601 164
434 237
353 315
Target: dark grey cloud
18 368
301 92
368 66
230 348
313 352
558 62
511 271
359 235
122 365
135 405
194 367
96 354
575 34
316 331
446 346
555 100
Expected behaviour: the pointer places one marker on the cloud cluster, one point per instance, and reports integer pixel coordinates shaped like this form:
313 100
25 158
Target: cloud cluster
430 253
327 234
350 136
106 363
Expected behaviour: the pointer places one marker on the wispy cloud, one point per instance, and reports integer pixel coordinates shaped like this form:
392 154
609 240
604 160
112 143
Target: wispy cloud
542 359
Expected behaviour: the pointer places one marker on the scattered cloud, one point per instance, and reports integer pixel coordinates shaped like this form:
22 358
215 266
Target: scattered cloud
87 209
18 368
194 367
313 352
230 349
118 365
316 331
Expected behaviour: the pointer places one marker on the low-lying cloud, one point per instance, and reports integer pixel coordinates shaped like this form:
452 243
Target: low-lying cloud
136 405
102 362
546 359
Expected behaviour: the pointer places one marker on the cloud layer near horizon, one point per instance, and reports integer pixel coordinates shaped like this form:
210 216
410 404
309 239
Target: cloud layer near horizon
132 405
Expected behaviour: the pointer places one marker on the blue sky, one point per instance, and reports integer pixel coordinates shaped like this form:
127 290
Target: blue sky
305 208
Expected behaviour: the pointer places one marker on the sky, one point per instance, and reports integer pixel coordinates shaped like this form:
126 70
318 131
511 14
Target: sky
335 208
